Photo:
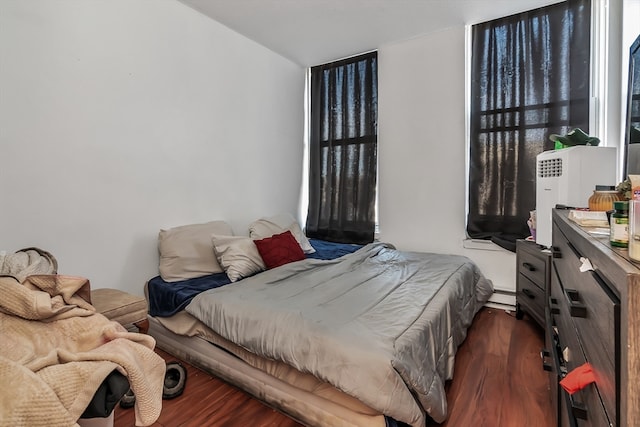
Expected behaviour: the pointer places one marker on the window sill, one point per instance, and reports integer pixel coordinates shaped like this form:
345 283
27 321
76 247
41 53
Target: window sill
483 245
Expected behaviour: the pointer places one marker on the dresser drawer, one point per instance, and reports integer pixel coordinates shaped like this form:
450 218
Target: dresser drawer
532 265
584 407
531 296
598 330
571 354
595 312
551 362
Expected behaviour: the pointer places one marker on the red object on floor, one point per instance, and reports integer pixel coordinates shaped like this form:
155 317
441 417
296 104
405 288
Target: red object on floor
578 378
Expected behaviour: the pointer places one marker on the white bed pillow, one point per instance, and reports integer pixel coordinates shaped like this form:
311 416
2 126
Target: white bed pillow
267 227
238 256
186 251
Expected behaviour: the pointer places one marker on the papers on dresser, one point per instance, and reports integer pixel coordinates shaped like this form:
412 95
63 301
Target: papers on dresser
589 218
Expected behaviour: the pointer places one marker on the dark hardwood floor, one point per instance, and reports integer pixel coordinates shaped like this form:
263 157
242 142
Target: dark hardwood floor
498 377
498 382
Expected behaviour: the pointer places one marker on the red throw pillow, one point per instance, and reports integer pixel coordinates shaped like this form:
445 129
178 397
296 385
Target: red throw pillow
279 249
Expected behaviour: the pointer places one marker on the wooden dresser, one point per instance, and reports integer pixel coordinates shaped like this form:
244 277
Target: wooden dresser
593 315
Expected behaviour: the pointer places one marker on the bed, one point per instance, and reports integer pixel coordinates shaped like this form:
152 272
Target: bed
344 336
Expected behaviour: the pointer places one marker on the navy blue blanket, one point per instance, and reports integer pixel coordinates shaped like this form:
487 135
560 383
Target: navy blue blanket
330 250
168 298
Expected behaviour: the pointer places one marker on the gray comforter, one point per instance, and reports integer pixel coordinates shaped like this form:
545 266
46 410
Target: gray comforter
379 324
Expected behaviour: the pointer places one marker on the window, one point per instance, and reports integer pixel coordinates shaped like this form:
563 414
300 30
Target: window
529 79
343 150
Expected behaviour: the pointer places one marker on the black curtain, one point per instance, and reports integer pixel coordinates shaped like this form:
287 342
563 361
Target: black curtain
343 150
530 78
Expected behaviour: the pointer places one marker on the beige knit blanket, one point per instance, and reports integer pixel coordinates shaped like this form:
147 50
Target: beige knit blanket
55 351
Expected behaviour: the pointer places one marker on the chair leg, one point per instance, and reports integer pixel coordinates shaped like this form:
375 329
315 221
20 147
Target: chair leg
143 326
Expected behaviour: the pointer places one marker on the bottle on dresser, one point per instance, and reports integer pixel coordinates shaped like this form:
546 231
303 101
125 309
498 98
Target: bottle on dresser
634 218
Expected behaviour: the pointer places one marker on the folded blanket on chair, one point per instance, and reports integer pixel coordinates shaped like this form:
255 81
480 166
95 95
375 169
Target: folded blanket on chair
26 262
56 351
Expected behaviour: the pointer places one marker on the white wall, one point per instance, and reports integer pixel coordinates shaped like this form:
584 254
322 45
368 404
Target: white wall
422 150
121 117
630 31
422 147
422 141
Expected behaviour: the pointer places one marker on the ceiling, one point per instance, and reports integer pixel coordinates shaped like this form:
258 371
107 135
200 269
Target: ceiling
313 32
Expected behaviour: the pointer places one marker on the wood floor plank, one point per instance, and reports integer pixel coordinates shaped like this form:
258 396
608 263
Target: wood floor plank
481 362
498 382
529 395
208 401
498 379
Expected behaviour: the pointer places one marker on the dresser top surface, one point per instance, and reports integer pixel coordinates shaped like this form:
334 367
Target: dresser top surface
592 243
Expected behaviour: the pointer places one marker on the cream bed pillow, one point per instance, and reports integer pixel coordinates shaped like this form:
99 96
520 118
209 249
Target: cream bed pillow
238 256
267 227
187 252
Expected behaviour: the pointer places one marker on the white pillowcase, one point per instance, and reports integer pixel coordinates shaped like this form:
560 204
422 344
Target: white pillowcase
267 227
186 252
238 256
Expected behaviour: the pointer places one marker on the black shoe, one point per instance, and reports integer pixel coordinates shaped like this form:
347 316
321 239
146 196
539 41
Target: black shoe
174 380
128 400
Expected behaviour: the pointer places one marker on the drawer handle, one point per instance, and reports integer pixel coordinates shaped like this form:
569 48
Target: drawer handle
578 409
576 308
552 306
574 250
528 266
528 293
555 252
544 353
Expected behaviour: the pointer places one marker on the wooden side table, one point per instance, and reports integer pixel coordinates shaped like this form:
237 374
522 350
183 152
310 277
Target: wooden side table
532 281
122 307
